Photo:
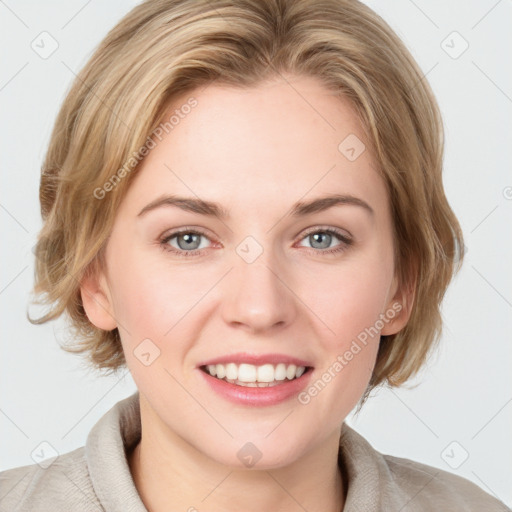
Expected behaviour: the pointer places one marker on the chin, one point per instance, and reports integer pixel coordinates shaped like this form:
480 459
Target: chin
260 453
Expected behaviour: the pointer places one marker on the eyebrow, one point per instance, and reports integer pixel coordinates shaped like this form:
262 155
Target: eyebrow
211 209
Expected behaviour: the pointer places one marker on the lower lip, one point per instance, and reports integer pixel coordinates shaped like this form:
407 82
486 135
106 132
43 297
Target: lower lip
255 396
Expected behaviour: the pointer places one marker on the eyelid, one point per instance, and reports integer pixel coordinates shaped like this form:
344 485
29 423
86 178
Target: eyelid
187 229
338 231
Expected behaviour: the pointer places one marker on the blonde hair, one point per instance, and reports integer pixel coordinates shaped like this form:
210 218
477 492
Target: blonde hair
164 48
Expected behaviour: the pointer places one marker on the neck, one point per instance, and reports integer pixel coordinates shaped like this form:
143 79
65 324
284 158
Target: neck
175 476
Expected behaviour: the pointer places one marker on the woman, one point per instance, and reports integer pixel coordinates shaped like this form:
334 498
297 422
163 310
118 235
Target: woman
243 204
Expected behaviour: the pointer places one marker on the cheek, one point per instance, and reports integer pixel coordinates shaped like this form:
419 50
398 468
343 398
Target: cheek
354 297
352 305
351 308
150 299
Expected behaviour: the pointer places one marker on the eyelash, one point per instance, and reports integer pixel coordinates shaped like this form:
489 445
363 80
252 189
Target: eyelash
344 239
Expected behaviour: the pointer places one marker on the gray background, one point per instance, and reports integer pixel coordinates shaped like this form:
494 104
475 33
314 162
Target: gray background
459 415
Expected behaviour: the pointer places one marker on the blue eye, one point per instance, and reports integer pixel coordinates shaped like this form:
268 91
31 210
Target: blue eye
322 239
188 242
191 242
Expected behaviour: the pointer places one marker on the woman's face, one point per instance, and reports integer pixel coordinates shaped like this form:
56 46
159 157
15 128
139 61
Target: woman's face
265 272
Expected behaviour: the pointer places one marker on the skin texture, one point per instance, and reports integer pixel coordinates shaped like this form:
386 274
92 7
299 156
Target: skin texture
256 152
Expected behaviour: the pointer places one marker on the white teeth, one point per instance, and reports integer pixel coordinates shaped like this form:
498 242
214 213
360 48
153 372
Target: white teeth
252 384
290 372
252 376
280 372
220 371
231 371
246 372
265 373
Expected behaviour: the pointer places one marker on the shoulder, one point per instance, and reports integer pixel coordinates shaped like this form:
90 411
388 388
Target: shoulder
395 483
58 484
430 488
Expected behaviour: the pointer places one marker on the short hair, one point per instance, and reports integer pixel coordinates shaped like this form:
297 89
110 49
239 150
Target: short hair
165 48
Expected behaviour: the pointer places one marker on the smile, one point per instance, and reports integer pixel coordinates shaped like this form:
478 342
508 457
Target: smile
250 375
256 385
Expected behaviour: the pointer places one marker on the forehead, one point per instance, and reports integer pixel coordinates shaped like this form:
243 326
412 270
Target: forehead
283 140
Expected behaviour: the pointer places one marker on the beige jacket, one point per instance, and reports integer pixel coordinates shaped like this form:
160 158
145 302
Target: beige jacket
97 477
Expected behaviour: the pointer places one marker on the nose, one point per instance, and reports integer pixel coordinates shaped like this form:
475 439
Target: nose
257 296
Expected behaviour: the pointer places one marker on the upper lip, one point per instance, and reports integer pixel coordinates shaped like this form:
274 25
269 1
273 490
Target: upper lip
256 359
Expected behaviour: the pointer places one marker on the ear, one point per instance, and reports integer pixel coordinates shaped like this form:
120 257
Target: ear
399 308
97 301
